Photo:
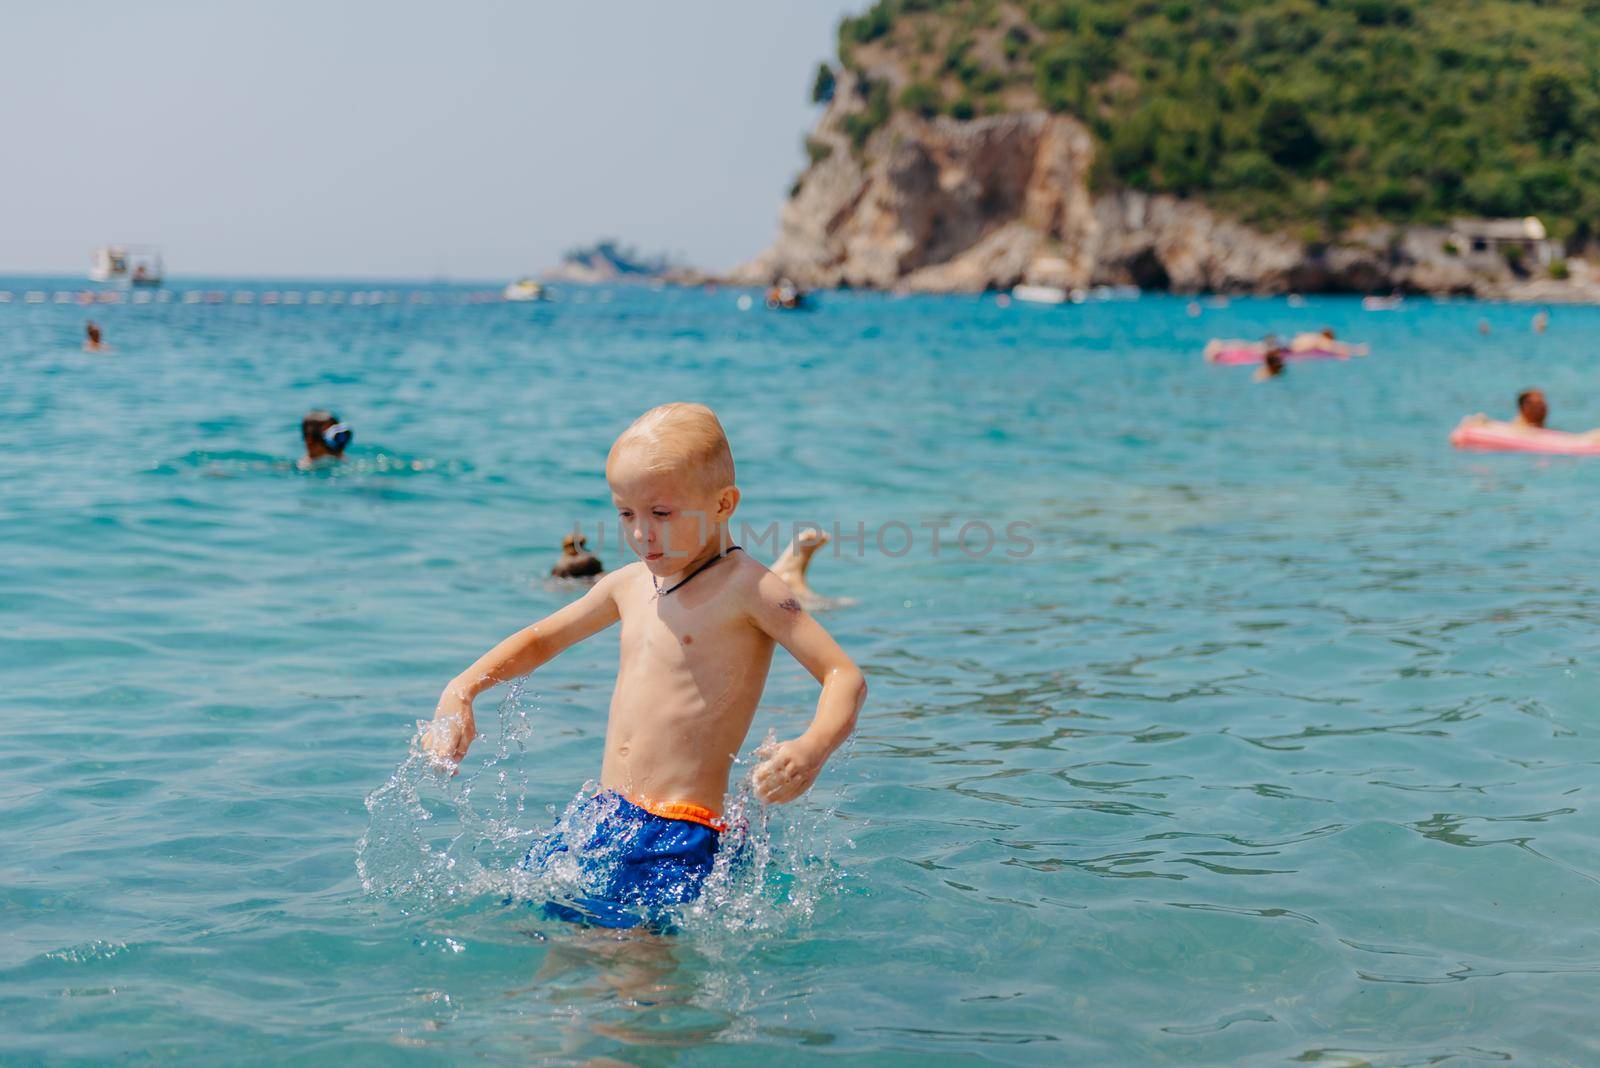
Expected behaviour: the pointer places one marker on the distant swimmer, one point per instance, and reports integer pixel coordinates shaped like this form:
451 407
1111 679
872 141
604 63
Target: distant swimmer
1532 411
784 295
1541 320
796 561
576 559
1239 350
326 438
1324 341
1236 352
1271 365
92 342
1483 327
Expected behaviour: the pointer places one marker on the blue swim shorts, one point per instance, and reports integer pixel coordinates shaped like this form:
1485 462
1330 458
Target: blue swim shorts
635 863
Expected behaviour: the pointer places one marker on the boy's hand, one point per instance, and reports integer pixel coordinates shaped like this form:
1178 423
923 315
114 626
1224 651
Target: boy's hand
787 769
446 739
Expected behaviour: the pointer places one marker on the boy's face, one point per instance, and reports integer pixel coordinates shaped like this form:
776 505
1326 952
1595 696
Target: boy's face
667 517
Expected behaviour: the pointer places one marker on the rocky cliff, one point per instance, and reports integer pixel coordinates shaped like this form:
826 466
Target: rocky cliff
959 205
609 261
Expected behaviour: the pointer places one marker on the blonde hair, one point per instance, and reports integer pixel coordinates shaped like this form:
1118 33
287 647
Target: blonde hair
683 438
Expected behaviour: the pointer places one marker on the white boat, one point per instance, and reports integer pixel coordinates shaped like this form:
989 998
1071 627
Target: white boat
133 265
1393 302
524 289
1116 292
1040 294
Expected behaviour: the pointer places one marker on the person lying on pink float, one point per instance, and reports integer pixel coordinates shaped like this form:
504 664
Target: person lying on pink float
1525 433
1318 346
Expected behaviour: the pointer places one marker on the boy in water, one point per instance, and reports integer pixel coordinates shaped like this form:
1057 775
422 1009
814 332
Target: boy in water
699 621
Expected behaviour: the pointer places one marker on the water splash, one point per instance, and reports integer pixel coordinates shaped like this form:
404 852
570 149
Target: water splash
433 841
775 862
357 463
83 952
427 842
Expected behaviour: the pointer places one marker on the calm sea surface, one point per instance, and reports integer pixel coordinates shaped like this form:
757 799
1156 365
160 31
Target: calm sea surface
1278 740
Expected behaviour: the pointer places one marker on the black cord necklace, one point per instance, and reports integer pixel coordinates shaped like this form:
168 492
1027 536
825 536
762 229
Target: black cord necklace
685 580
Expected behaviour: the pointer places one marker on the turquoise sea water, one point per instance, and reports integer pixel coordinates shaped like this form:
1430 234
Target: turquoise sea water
1279 746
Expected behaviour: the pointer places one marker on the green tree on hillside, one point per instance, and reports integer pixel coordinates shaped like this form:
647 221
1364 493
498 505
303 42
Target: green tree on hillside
1550 107
822 87
1286 112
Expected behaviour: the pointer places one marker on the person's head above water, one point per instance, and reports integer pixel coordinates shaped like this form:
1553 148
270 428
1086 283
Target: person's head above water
576 559
92 340
324 435
672 480
1532 407
1327 332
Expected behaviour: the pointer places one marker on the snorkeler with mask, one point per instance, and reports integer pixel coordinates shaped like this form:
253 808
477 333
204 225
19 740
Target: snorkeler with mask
326 438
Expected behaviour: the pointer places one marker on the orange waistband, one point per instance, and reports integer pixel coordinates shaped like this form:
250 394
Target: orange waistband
681 810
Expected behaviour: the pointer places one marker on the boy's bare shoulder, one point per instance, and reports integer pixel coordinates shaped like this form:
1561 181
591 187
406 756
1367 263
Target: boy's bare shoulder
748 572
619 581
764 594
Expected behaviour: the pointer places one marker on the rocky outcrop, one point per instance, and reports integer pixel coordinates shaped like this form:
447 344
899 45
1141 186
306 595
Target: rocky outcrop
609 261
942 205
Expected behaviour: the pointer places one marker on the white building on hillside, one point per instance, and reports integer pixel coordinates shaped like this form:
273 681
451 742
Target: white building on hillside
1498 238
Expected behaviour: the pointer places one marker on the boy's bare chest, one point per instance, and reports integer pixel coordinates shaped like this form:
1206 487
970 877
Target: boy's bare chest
681 635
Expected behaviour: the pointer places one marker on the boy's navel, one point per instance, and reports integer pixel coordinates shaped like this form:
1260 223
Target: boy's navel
688 639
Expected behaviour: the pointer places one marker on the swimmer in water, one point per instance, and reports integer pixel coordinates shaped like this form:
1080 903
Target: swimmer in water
92 342
1271 365
1324 341
700 620
796 561
1541 320
325 438
1218 349
1532 411
576 559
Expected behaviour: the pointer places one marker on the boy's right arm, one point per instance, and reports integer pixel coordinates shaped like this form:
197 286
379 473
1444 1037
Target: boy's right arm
453 728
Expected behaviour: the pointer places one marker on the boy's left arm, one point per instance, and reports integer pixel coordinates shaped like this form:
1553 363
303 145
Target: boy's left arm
788 769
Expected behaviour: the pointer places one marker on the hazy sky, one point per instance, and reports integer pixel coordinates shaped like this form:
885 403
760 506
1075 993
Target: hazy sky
469 138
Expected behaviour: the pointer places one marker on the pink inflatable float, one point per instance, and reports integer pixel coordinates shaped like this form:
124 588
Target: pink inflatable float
1488 437
1233 353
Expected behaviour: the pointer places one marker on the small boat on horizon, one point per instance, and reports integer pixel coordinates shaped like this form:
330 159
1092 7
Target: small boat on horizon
1041 294
525 289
